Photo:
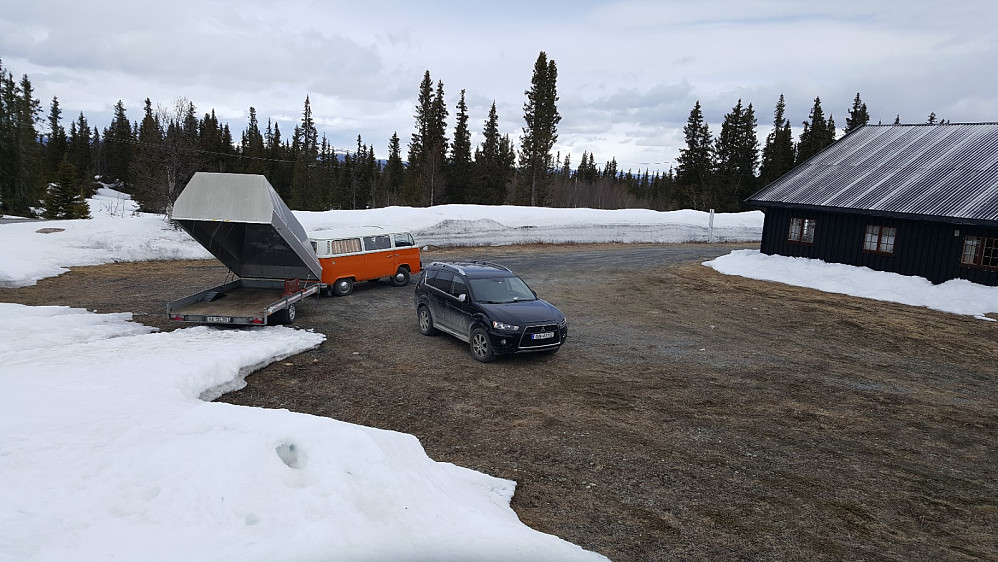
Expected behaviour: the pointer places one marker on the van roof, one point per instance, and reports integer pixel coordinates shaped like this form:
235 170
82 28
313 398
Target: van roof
351 232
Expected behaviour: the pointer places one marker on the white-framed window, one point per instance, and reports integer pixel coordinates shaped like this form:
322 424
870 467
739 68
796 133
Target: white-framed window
802 230
879 239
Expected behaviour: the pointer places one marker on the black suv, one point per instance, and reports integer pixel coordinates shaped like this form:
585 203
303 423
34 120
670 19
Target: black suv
489 307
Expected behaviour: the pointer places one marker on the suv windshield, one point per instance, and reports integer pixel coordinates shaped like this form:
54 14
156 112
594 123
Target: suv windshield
501 290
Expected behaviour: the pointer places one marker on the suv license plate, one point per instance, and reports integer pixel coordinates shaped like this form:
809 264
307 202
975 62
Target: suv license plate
543 335
225 319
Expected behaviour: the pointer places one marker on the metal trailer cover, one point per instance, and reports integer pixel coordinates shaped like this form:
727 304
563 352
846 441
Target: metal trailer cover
244 223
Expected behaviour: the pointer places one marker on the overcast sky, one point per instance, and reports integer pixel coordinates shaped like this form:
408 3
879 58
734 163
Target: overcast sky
629 72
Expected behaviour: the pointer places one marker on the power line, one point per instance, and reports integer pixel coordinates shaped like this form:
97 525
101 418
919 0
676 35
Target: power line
211 152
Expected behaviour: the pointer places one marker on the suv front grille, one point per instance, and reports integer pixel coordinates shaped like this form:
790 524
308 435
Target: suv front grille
528 341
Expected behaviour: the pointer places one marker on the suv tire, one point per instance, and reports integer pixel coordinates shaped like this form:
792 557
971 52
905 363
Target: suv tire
481 347
425 321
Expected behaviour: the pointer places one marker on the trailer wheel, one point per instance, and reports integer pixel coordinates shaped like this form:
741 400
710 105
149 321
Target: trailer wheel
342 287
401 277
286 316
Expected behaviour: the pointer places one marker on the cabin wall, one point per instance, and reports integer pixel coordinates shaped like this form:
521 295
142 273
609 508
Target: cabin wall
921 248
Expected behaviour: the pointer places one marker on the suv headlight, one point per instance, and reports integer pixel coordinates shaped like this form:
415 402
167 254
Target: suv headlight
505 327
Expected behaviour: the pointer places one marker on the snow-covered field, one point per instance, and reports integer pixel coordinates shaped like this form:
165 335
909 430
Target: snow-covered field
108 449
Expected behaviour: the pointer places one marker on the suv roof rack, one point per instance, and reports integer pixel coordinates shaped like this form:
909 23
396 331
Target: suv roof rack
489 264
457 264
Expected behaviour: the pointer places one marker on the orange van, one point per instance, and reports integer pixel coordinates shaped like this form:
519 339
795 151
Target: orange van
364 254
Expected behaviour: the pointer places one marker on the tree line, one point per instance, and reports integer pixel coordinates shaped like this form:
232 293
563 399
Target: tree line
153 158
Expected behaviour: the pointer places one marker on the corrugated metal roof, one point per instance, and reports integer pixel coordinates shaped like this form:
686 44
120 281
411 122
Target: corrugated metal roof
946 171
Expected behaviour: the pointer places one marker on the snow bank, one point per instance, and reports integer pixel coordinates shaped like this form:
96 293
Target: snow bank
478 225
107 452
957 295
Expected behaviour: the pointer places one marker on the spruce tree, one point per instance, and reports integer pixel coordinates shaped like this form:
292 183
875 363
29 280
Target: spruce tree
435 153
364 175
119 147
540 112
253 147
858 115
305 147
64 198
56 141
79 149
9 153
325 176
494 163
816 135
414 186
21 179
737 155
394 176
779 153
147 168
610 169
459 164
566 167
695 162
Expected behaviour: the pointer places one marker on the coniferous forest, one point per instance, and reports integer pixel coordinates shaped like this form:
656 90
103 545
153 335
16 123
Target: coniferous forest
49 170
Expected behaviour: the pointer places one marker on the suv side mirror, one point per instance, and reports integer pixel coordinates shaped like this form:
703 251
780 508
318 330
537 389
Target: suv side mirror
462 297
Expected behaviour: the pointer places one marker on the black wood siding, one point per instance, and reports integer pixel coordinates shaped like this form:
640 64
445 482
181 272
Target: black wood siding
927 249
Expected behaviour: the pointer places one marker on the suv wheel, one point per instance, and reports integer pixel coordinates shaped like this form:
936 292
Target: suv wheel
425 321
481 347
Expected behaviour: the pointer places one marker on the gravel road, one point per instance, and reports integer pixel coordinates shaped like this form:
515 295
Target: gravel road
691 415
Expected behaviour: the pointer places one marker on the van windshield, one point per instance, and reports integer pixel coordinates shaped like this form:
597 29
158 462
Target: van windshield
500 290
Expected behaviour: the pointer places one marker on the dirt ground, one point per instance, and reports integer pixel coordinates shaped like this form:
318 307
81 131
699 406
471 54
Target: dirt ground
691 415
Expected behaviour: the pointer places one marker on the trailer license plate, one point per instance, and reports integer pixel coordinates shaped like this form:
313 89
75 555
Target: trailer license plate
543 335
219 319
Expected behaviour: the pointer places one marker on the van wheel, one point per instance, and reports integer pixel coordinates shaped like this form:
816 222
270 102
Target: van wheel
425 321
481 347
401 277
342 287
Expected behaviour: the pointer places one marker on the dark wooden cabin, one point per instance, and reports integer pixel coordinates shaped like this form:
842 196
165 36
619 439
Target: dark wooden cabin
917 200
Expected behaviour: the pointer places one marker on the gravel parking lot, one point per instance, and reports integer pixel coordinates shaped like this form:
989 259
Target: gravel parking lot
691 415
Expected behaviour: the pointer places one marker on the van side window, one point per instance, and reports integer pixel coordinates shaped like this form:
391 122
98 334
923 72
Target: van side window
402 240
346 246
380 242
443 280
